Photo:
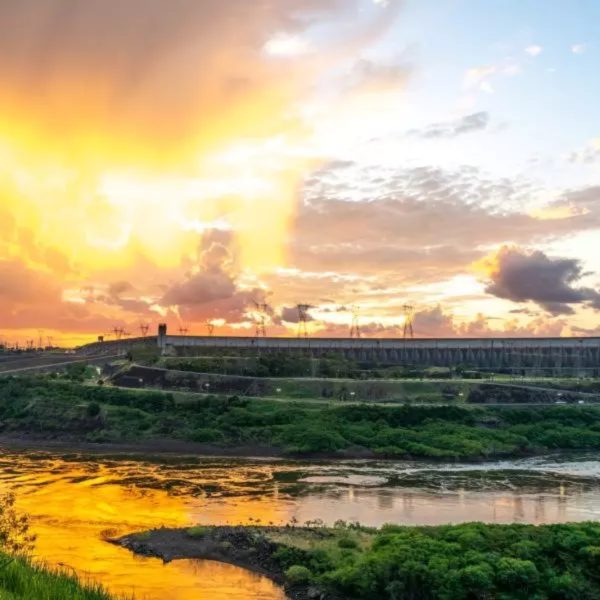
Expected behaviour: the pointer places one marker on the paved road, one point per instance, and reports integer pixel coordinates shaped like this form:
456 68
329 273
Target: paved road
539 388
43 365
496 383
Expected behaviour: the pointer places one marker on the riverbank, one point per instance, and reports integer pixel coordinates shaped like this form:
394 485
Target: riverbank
350 562
38 410
146 447
256 549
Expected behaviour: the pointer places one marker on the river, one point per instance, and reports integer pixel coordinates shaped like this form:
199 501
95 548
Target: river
75 501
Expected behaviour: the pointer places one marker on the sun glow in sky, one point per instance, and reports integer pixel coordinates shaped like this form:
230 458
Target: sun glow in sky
178 160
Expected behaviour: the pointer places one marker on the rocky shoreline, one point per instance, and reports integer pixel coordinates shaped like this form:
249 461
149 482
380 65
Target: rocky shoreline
245 547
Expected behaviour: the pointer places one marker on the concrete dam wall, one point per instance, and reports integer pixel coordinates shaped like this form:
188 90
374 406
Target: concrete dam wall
540 356
552 356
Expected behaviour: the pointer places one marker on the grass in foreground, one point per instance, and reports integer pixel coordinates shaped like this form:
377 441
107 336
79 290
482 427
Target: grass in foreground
22 580
80 412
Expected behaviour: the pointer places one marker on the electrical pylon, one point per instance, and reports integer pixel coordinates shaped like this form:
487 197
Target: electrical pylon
303 318
355 325
409 316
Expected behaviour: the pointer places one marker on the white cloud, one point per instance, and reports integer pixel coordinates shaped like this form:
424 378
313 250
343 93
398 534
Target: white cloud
588 154
486 87
285 45
534 50
476 75
512 69
578 48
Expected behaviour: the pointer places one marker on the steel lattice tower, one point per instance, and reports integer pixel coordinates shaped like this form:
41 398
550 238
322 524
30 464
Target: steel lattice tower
303 318
260 318
409 317
355 326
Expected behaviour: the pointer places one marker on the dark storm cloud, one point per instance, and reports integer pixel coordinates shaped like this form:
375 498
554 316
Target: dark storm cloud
532 276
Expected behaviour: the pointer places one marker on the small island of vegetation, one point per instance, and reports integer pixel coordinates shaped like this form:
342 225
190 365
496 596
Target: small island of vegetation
450 562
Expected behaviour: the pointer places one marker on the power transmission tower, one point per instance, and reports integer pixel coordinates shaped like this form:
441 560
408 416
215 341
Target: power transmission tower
40 344
210 326
303 318
144 328
183 330
260 317
118 332
355 326
409 316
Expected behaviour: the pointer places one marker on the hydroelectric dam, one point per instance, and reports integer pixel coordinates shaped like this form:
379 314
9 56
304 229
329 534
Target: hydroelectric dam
568 356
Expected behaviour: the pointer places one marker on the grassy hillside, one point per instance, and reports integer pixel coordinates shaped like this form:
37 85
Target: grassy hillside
68 410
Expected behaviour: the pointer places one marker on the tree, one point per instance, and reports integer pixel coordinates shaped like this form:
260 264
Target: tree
15 537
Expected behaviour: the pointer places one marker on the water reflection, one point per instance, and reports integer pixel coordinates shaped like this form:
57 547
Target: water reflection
75 501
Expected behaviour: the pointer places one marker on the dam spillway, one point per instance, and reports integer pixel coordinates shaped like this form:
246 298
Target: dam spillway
553 356
568 356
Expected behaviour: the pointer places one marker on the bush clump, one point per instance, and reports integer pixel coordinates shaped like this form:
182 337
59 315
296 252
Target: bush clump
298 574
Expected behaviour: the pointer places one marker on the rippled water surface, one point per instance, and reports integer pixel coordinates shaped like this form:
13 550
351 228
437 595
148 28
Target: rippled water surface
76 500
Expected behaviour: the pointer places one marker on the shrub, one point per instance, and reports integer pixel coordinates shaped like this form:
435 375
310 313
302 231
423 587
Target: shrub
206 435
93 409
15 537
298 574
198 531
347 543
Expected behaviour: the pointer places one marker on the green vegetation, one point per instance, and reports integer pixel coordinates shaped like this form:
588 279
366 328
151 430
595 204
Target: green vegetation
197 531
436 386
55 409
331 365
20 579
378 390
451 562
298 574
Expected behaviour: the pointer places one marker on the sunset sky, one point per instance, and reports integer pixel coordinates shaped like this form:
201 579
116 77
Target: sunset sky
177 160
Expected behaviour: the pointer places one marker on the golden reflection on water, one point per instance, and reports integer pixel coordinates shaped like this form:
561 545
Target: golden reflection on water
72 512
76 502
